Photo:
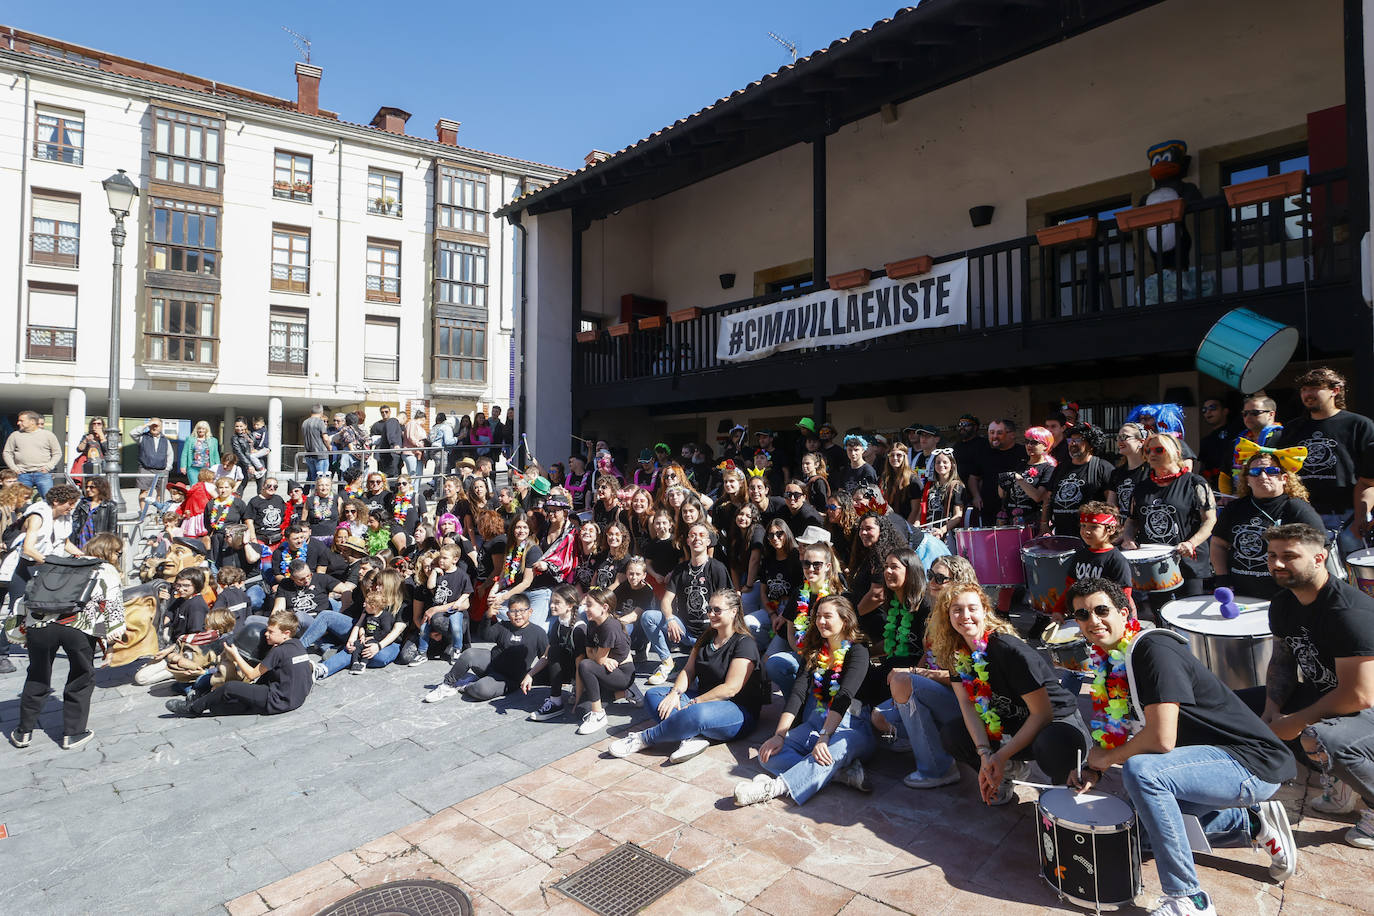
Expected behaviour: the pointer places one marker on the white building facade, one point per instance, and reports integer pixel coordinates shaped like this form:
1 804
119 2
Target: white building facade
277 256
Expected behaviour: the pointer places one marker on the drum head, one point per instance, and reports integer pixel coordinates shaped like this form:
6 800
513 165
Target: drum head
1364 557
1067 807
1147 552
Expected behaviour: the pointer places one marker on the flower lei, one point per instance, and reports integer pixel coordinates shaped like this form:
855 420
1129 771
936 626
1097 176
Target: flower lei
219 511
354 488
803 618
897 630
286 557
1111 691
834 664
400 507
973 671
515 562
377 541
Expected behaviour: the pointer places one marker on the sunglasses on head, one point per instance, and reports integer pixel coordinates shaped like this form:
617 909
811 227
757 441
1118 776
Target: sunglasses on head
1268 470
1102 610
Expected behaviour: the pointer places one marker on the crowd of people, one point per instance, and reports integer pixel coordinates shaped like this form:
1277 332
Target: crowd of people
700 584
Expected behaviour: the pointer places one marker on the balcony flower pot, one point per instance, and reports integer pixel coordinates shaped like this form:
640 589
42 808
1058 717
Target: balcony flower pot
1067 233
619 330
1261 189
587 337
1147 217
910 267
653 322
685 315
850 278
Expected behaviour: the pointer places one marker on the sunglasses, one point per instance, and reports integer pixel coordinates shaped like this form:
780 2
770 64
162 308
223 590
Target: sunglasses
1103 611
1157 450
1266 471
792 494
832 507
1208 408
776 535
1254 413
1125 437
940 578
716 609
813 564
270 487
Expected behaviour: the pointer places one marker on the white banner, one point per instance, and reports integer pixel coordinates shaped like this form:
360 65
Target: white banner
839 317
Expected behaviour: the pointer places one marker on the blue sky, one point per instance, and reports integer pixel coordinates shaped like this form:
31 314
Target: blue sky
538 80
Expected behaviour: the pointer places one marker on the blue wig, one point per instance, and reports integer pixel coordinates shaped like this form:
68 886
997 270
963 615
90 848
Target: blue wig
1168 417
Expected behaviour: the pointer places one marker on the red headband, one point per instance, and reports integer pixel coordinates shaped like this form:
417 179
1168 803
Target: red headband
1101 518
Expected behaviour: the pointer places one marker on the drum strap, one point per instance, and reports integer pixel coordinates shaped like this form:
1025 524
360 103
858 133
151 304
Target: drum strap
1130 670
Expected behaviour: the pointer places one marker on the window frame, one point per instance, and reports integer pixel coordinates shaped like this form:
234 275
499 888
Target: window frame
369 359
55 257
152 334
457 212
289 318
69 154
291 280
57 352
383 247
190 121
460 327
292 187
455 254
376 199
185 209
1264 223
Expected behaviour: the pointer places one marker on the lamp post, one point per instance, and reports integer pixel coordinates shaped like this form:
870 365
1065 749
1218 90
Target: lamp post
121 194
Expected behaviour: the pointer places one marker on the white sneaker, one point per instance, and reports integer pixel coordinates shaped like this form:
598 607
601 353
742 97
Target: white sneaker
760 789
1017 769
321 672
552 708
441 693
1183 906
660 675
1362 834
632 743
633 695
419 659
853 775
1006 794
915 780
688 749
1275 837
593 721
1337 797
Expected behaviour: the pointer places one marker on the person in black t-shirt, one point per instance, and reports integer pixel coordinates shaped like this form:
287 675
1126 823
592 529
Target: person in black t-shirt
855 472
1023 492
1174 507
1030 716
1003 455
485 674
373 641
799 514
1324 629
1081 479
306 594
231 597
728 693
1098 558
267 514
280 684
444 614
297 545
1268 496
1214 449
968 446
607 667
186 611
1131 469
1197 745
682 615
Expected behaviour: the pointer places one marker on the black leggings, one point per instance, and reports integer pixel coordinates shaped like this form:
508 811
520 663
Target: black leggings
596 680
562 663
1057 748
76 696
232 699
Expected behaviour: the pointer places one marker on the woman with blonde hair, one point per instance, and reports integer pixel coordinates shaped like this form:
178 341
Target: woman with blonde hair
1012 706
733 494
1174 507
199 451
817 480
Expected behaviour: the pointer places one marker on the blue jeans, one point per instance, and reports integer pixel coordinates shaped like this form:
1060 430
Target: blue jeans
316 467
539 605
1338 523
853 740
1199 780
341 660
930 707
41 481
449 624
781 664
656 632
716 720
328 623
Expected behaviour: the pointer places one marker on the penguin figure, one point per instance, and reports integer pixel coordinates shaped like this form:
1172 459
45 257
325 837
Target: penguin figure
1170 244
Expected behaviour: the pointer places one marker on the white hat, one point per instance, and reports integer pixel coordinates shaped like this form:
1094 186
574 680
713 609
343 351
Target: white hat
814 534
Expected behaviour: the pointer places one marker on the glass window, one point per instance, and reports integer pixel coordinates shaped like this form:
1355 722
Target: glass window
291 259
383 192
51 330
183 237
287 342
1273 220
460 350
58 135
383 270
291 176
461 274
181 328
55 228
381 349
186 148
462 199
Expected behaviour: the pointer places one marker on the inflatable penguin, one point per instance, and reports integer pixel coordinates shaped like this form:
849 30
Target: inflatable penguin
1170 245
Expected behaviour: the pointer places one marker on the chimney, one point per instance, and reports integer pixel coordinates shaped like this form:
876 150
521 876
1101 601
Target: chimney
308 89
447 131
596 156
391 120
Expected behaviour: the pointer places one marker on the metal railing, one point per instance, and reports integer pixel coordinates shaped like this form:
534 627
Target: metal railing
431 453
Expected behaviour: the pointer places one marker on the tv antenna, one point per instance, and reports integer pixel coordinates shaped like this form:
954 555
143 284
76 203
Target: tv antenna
303 44
791 46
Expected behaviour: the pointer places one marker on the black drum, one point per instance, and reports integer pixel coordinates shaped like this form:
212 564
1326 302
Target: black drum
1089 850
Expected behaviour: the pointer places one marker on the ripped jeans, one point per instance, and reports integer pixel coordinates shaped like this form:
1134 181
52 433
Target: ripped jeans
1343 746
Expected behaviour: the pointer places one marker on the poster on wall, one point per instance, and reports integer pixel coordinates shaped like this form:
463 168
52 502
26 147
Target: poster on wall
832 318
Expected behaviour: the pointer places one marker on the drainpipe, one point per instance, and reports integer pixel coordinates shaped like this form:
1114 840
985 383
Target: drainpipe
23 201
518 434
338 266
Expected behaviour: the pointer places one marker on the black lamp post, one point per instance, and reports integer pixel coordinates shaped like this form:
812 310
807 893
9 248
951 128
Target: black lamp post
121 194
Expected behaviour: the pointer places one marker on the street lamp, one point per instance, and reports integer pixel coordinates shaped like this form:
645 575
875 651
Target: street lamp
121 194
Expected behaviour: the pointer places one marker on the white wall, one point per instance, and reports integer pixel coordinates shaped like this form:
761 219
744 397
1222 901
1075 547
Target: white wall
548 343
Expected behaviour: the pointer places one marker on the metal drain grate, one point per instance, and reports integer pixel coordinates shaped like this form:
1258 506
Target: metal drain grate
623 881
418 897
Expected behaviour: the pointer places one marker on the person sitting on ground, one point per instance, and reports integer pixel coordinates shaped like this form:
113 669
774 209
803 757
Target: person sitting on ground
822 733
480 673
567 642
725 704
185 613
633 597
195 656
1198 748
307 594
279 684
231 597
607 668
448 593
821 578
374 640
681 617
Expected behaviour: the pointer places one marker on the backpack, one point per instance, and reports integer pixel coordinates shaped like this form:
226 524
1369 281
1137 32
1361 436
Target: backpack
61 585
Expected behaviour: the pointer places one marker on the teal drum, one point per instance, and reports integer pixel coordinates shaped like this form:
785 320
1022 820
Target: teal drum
1246 350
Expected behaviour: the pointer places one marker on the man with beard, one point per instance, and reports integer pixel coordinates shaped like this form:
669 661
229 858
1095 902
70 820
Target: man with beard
1081 479
1002 456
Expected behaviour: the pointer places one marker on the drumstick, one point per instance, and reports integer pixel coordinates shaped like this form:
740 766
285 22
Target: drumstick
1079 755
1035 785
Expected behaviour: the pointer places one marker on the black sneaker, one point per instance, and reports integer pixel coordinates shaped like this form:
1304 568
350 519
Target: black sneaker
72 742
179 706
357 667
20 739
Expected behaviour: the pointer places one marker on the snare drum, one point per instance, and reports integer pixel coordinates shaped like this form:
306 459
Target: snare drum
994 553
1089 850
1047 561
1154 568
1360 566
1067 647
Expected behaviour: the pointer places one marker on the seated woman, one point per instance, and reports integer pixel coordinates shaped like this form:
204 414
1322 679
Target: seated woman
728 694
780 576
1269 493
922 702
822 733
567 643
821 579
606 668
1012 705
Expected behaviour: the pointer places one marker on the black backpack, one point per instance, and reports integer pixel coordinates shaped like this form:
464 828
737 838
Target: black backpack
61 585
